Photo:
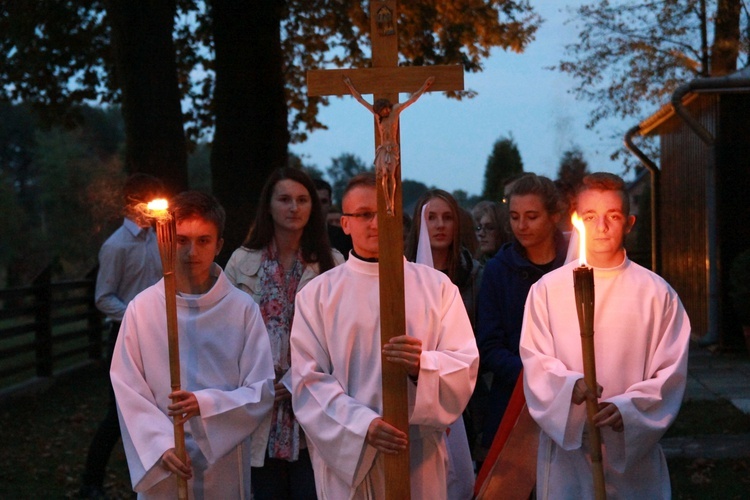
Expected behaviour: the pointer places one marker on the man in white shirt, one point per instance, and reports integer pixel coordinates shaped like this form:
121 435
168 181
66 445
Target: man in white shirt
226 370
128 264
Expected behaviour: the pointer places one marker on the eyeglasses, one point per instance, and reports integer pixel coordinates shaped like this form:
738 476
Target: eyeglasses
484 227
365 216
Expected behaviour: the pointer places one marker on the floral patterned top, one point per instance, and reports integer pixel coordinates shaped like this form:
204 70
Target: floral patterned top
279 287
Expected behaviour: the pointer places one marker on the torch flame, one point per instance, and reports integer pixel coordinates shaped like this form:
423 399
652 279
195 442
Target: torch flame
158 209
158 205
578 224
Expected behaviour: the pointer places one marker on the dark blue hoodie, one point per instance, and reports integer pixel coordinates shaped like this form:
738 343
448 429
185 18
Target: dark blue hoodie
508 276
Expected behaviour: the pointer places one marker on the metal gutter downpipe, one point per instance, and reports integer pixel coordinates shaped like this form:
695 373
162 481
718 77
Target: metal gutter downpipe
716 84
654 171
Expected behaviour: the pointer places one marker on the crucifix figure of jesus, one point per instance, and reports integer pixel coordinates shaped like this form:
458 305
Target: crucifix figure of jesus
387 153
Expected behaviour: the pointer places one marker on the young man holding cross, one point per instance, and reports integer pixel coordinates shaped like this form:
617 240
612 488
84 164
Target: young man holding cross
336 371
226 371
641 336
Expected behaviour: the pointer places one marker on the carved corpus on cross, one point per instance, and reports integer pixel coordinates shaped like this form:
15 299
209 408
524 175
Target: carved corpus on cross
385 79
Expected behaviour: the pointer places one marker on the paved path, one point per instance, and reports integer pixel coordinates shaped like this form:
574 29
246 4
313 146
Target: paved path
714 376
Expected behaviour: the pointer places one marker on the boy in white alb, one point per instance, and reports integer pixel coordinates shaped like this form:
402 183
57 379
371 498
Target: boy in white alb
641 337
226 371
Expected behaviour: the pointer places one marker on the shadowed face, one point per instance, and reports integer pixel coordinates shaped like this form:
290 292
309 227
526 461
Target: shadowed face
362 200
440 224
606 226
290 206
325 200
488 235
532 225
198 243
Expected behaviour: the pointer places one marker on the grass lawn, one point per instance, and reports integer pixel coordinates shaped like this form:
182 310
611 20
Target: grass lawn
44 439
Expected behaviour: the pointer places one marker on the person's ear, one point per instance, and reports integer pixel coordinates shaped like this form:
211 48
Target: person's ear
219 245
345 225
629 224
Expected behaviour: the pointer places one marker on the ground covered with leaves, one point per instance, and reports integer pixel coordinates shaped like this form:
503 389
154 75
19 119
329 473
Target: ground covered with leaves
44 437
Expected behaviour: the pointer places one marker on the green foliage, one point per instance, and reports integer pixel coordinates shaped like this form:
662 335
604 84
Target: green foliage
76 187
60 190
58 54
343 168
503 164
630 55
335 34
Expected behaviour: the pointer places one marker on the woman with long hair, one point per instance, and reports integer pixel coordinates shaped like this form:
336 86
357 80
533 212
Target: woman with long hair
286 247
537 247
443 223
435 239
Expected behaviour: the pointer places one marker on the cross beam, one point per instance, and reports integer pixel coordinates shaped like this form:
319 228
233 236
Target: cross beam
385 79
323 82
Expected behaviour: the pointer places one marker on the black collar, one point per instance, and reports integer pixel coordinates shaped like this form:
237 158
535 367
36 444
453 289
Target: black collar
373 259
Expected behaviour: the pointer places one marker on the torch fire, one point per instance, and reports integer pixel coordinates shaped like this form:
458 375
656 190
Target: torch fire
165 233
583 284
578 224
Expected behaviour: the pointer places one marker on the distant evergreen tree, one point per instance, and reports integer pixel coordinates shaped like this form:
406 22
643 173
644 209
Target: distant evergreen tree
343 168
573 168
466 200
503 164
410 193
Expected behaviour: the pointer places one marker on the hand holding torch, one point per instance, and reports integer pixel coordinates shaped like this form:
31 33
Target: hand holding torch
165 234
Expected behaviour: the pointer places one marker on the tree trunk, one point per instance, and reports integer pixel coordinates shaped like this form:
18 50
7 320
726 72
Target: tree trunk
726 48
146 73
252 136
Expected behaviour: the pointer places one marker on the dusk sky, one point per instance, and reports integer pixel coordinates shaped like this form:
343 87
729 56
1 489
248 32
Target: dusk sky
446 143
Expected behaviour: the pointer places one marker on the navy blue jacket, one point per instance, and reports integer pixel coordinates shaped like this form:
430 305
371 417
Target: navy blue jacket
507 278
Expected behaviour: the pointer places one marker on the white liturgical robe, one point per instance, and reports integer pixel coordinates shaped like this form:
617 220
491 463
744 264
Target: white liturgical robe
641 337
225 360
336 376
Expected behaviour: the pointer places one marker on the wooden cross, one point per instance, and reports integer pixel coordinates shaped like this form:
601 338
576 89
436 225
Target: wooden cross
385 79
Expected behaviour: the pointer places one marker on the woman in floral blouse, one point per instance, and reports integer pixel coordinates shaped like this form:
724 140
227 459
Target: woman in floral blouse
286 247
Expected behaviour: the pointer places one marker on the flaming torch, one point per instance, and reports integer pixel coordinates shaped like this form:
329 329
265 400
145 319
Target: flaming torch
165 234
583 283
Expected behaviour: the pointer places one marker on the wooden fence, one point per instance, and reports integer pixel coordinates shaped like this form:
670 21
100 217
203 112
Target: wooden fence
48 327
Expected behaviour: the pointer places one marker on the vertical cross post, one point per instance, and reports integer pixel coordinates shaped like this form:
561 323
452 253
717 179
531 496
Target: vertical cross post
385 79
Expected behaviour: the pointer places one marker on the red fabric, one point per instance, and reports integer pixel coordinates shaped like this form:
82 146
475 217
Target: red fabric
515 405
